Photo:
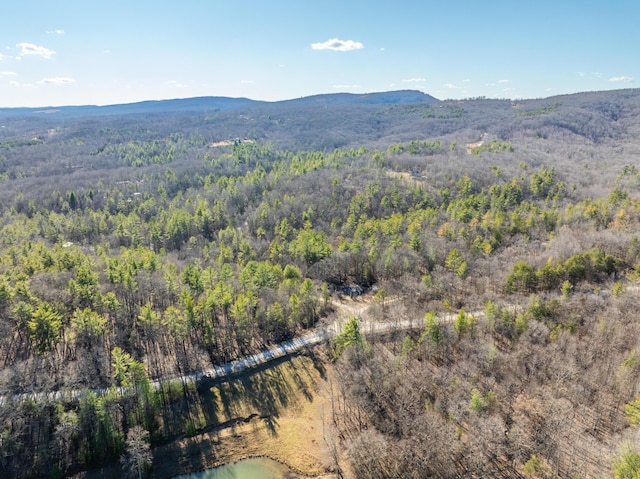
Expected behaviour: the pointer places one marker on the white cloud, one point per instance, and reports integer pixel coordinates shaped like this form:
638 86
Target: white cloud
56 81
55 32
6 74
503 81
451 86
337 45
415 80
621 79
31 49
14 83
177 84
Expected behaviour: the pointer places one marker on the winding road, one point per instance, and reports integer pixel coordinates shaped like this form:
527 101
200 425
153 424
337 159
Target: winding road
322 333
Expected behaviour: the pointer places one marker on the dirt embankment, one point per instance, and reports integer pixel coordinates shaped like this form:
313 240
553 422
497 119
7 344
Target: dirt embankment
281 412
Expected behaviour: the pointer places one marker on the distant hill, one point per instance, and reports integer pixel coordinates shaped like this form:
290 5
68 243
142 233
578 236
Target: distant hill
140 108
383 98
216 103
341 120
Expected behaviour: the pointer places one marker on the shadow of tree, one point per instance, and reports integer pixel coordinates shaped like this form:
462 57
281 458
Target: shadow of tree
264 391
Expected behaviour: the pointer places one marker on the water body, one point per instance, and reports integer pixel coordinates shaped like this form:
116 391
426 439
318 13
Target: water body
259 468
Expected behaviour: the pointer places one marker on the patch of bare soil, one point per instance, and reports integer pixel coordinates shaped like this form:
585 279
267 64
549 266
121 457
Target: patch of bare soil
282 412
284 416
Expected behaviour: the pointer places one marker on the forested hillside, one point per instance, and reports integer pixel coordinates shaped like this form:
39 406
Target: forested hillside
136 247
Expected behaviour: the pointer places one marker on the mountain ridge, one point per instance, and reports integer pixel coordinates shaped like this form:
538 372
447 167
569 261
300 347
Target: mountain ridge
220 103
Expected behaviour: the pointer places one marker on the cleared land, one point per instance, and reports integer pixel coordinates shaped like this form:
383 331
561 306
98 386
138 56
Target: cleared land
281 412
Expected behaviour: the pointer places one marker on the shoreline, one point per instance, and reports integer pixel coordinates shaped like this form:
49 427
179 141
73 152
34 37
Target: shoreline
292 469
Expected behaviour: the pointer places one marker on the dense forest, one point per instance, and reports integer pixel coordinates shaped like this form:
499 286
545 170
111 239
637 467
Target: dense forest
141 246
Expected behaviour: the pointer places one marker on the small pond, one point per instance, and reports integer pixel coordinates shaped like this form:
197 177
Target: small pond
257 468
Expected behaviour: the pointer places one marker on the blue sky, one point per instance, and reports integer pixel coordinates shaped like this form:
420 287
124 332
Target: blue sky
73 52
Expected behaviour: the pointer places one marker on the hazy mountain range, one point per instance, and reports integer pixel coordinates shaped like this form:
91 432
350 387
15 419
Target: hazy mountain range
326 122
216 103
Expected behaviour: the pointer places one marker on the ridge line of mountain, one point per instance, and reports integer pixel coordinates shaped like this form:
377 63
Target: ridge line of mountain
217 103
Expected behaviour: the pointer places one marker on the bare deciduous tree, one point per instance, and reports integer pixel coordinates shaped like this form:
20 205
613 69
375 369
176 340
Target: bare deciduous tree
137 457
